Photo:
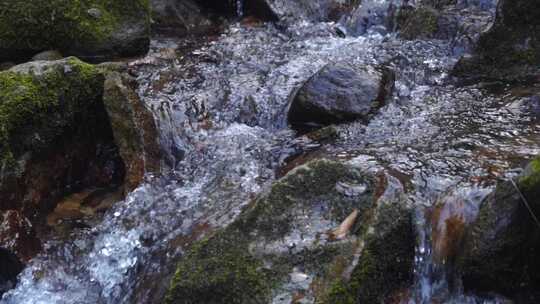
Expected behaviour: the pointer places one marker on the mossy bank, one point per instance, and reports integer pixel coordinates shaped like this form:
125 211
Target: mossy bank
90 29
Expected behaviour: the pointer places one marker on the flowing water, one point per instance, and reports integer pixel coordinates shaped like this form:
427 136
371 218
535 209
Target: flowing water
221 107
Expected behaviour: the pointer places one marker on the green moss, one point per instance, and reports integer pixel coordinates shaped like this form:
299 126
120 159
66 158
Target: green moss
301 189
220 270
419 23
340 292
386 263
42 105
530 180
59 24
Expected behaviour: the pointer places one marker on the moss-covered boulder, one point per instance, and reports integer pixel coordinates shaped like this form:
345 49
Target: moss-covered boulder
502 246
510 50
54 134
284 247
418 23
386 264
133 127
91 29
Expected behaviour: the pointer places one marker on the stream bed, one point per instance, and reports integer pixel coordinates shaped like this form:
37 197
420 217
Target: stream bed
221 108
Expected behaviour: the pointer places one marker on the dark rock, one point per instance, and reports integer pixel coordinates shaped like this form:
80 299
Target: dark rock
6 65
510 50
56 139
121 28
340 93
48 56
182 17
284 245
55 134
292 10
133 128
10 267
18 235
386 264
420 23
502 246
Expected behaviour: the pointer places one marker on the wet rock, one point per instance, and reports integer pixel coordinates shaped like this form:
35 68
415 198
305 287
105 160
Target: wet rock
18 235
121 28
10 267
48 56
183 17
340 93
55 139
502 246
133 127
55 134
315 10
283 246
386 264
510 50
420 23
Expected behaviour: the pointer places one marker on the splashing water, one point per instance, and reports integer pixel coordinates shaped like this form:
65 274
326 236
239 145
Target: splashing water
221 110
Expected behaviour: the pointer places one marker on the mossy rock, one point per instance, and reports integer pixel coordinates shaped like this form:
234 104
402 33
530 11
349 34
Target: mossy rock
501 247
386 264
91 29
510 50
55 135
37 100
248 261
219 270
253 259
420 23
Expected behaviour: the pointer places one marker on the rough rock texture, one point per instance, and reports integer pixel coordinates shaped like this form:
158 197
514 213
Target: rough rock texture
510 50
460 23
91 29
420 23
55 134
340 93
317 10
10 267
386 264
181 17
48 56
133 127
502 246
283 247
18 235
